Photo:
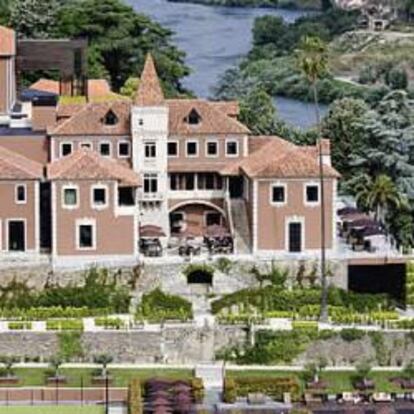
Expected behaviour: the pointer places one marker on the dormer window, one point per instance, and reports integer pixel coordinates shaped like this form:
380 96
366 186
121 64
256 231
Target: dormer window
193 118
110 118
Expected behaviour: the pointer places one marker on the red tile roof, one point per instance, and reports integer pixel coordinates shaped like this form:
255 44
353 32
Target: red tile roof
96 87
7 41
14 166
90 120
86 164
149 90
214 118
274 157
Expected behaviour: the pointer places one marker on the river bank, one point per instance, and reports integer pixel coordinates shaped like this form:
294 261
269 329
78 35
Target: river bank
314 5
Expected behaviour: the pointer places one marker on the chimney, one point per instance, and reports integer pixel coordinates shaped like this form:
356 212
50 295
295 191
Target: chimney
325 150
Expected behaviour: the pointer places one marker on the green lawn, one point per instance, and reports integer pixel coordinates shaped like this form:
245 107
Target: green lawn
337 381
52 410
121 377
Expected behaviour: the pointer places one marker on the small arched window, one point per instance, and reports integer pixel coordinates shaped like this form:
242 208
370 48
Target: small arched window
110 118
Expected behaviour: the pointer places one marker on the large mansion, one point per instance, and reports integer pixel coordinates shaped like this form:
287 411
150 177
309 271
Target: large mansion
88 183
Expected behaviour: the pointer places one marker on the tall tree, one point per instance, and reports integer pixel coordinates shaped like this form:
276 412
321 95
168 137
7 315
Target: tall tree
119 38
313 62
344 127
379 194
34 18
4 12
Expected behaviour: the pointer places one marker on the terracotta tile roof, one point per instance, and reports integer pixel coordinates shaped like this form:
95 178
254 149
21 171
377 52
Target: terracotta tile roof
86 164
149 90
90 120
7 41
274 157
68 110
230 108
213 120
14 166
96 87
195 166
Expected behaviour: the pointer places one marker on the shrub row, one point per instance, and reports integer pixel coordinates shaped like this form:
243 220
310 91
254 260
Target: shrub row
110 323
43 313
64 325
274 387
158 306
20 326
197 387
271 299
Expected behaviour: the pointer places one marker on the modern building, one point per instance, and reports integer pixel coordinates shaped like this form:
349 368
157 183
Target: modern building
84 183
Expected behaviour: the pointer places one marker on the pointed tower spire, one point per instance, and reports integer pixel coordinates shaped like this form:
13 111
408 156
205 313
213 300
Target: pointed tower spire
149 91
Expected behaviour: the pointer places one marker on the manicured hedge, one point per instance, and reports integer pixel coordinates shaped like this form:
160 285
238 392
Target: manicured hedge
409 284
197 387
20 326
43 313
64 325
157 306
273 387
229 391
270 299
110 323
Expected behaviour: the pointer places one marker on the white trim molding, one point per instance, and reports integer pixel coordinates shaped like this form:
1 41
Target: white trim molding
305 194
192 141
85 222
290 220
255 215
61 144
16 193
177 147
63 200
212 141
229 141
285 194
94 205
37 215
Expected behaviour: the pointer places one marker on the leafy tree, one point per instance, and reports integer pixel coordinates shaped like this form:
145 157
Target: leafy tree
363 370
119 38
4 12
34 18
130 87
8 363
343 126
379 194
104 360
397 78
55 363
313 62
389 142
401 224
258 112
408 371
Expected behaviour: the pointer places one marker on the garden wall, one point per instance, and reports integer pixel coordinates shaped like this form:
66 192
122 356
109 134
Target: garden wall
170 345
169 275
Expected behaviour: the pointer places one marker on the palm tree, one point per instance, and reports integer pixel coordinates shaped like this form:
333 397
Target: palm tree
312 60
379 195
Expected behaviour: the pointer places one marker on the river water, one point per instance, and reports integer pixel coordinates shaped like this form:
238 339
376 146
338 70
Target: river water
215 39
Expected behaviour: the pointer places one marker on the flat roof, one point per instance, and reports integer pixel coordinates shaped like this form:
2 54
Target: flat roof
6 131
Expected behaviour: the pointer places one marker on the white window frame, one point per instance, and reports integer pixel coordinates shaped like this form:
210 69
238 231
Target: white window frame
70 187
86 144
295 219
99 187
229 141
305 195
212 141
192 141
61 144
110 148
16 193
124 141
7 241
152 144
177 143
278 203
150 176
85 222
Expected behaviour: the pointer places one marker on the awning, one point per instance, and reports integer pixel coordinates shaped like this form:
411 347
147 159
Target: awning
150 230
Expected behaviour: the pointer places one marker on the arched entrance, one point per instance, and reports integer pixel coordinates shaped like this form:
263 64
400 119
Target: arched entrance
194 217
200 276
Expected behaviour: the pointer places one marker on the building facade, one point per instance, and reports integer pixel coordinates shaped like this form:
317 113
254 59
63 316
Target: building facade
105 175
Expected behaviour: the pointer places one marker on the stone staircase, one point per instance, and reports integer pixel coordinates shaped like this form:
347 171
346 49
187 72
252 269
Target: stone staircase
211 374
241 227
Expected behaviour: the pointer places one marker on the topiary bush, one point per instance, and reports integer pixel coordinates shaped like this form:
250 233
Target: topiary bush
351 334
197 387
229 391
135 405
